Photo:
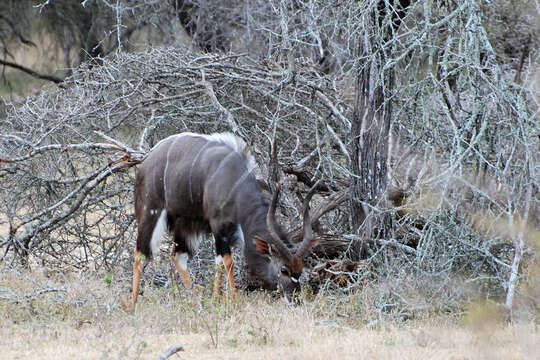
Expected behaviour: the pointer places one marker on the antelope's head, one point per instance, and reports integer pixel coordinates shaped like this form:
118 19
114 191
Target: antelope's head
285 266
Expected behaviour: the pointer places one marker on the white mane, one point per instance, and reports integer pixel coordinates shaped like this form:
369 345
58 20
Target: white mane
237 144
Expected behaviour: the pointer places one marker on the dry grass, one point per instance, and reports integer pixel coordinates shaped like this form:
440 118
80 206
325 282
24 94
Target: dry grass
79 316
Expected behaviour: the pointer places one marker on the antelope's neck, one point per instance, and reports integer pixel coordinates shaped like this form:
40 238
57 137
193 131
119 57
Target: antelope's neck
251 214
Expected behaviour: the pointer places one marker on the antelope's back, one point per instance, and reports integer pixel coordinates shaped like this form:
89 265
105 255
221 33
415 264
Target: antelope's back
184 172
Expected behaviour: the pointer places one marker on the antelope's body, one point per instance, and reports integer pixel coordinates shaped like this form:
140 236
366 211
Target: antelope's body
193 184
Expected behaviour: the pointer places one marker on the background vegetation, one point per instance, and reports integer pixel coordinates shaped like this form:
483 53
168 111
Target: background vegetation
419 116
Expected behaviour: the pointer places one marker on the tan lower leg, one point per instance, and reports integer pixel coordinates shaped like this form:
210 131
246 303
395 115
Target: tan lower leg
229 267
217 281
137 271
184 273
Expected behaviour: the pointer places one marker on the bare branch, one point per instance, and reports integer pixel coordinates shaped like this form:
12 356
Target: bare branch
31 72
171 351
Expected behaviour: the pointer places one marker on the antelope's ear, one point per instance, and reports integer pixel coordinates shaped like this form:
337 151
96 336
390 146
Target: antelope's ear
262 246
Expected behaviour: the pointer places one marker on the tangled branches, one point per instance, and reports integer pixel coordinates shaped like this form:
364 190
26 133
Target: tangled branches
463 153
67 157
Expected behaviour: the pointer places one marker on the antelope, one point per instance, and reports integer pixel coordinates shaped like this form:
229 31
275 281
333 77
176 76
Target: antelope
194 184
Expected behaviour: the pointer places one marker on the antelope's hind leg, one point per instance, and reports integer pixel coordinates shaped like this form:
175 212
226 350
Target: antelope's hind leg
137 273
150 229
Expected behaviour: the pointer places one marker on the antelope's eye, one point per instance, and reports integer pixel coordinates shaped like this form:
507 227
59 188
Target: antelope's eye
284 271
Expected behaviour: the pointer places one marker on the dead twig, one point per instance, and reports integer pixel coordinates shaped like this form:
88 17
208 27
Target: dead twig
171 351
31 72
223 110
329 204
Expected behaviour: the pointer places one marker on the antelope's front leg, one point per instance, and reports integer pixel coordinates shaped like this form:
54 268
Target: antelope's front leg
179 260
224 239
229 268
219 276
224 261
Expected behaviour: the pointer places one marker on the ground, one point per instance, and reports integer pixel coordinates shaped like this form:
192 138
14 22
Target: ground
79 315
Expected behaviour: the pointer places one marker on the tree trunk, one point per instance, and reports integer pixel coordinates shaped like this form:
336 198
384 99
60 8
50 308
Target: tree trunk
371 136
371 128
